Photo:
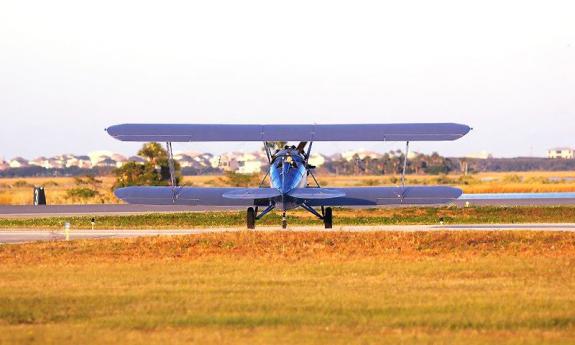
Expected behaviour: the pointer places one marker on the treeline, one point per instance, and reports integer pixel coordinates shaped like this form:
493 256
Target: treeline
35 171
388 164
435 164
516 164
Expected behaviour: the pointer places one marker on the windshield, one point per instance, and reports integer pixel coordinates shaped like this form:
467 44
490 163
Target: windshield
288 160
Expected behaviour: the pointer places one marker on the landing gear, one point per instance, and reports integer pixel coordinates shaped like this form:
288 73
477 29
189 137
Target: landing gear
327 218
251 218
284 221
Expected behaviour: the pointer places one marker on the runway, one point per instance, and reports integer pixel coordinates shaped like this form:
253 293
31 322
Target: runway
33 235
125 209
101 209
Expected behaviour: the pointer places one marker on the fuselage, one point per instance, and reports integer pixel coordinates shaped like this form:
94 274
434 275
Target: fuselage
287 172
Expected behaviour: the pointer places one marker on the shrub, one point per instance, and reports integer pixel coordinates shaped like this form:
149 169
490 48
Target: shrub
81 193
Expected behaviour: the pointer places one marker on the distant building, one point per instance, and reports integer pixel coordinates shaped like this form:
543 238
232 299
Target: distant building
3 165
317 159
107 163
561 153
249 167
40 162
185 160
18 162
412 154
99 156
361 154
83 162
243 163
137 159
479 155
119 159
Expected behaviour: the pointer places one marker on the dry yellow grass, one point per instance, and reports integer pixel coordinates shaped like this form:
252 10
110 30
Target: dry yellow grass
292 288
299 246
18 191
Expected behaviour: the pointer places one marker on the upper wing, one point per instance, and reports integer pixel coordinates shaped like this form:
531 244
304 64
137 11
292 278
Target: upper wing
193 196
341 132
365 196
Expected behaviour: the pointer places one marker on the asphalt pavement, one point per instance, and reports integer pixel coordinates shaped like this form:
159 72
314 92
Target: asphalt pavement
119 209
33 235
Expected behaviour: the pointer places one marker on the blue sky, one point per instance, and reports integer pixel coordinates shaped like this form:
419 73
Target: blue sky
68 69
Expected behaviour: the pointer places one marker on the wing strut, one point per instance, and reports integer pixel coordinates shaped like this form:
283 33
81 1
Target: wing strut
307 166
268 152
308 154
269 155
404 164
172 170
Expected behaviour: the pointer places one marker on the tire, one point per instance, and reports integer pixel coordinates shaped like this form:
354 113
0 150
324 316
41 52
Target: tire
328 218
284 224
251 218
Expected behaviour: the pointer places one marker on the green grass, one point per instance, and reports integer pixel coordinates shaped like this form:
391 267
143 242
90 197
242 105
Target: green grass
286 288
395 216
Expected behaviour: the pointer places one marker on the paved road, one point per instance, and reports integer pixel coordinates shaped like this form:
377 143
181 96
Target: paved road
23 235
101 209
113 209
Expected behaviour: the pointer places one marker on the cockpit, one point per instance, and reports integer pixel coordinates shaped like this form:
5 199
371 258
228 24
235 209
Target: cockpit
287 159
287 169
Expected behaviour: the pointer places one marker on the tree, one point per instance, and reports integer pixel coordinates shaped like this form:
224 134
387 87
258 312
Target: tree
154 172
154 152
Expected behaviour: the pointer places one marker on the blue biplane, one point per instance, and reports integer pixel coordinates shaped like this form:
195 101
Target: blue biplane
288 167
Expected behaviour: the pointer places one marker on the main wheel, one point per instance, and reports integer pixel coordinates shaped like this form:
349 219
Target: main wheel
284 224
328 218
251 218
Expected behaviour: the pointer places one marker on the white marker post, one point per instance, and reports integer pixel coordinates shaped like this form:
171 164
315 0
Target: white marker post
67 231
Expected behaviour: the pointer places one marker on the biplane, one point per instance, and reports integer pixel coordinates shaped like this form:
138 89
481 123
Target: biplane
289 167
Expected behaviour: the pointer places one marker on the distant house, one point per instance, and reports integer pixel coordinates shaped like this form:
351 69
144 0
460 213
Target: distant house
99 156
361 154
479 155
40 162
243 163
317 159
57 163
18 162
137 159
119 159
185 160
107 163
561 153
82 162
249 167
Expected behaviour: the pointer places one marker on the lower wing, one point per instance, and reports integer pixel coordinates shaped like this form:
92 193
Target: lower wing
195 196
366 196
355 196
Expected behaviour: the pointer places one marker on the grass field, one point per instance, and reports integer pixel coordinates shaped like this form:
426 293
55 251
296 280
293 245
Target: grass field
378 216
292 288
18 191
